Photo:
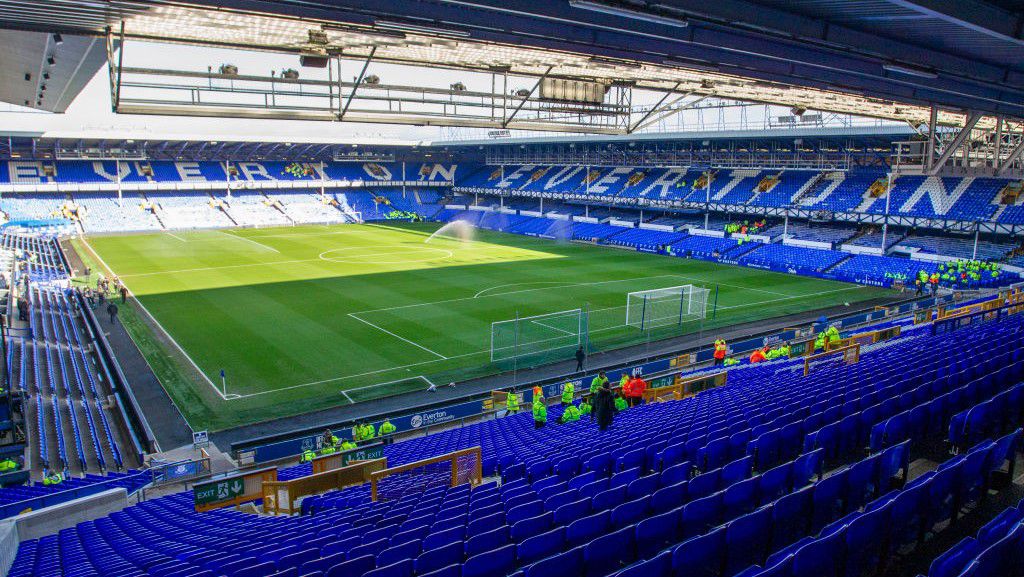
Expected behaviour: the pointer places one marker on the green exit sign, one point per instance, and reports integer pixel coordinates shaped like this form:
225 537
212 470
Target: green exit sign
367 453
218 491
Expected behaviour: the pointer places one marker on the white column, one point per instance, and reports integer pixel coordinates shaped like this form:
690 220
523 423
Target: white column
323 182
117 169
707 196
227 173
888 196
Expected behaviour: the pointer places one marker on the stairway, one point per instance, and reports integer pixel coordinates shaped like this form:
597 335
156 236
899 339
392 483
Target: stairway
279 207
819 189
155 210
735 177
734 253
999 212
223 207
846 258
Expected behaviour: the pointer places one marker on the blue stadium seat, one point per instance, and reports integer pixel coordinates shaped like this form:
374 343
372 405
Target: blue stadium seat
610 552
701 556
747 540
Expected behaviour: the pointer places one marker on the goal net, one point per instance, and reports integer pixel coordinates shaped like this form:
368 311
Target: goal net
662 307
548 334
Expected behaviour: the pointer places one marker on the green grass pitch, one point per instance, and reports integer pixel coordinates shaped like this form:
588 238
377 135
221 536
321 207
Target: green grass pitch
303 318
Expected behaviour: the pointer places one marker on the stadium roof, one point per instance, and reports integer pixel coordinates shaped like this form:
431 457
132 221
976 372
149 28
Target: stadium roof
142 145
46 74
884 58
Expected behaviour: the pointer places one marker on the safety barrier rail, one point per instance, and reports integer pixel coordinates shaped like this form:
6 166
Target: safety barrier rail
954 322
685 387
867 338
850 354
280 497
466 467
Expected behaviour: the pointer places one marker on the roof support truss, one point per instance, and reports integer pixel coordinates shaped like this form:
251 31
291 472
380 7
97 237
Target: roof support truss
934 166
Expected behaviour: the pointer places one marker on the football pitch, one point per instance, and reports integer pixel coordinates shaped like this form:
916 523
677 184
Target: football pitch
308 317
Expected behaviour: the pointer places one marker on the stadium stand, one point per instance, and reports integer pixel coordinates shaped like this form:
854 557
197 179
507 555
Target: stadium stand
847 264
104 213
73 428
861 190
957 247
724 483
254 209
14 500
33 172
32 206
873 238
824 234
785 258
305 206
53 366
878 270
183 210
704 247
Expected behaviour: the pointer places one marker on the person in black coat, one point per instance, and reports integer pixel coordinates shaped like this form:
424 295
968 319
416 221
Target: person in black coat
604 407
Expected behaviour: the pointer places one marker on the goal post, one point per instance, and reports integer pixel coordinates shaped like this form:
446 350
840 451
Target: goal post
548 334
668 306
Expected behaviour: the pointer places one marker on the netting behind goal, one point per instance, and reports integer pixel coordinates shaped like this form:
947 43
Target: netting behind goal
545 335
449 470
662 307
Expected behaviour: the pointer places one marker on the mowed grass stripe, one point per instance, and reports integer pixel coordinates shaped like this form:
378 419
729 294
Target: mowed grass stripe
279 322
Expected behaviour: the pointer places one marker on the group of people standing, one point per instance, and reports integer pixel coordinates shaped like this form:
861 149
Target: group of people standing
601 402
104 288
329 442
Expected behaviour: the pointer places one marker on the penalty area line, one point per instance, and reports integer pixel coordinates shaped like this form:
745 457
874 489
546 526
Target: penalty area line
242 238
382 329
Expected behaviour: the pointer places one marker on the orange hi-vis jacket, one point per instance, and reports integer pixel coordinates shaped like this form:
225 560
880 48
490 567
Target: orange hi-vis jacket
720 349
637 386
757 356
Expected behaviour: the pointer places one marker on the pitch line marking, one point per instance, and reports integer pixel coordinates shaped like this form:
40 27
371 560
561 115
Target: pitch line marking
382 329
347 397
399 307
288 235
544 282
259 244
464 355
172 235
438 253
206 268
